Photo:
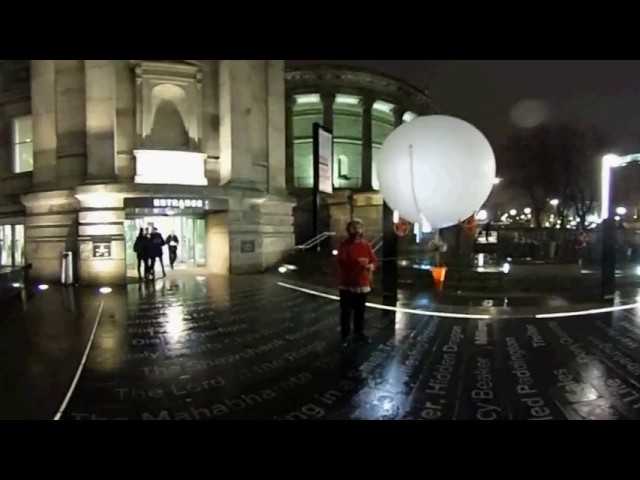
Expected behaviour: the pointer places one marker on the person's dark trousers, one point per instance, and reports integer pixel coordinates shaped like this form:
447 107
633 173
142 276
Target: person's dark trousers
152 266
173 255
142 262
352 305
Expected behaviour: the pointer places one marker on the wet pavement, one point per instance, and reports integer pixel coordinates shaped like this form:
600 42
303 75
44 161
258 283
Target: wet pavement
246 348
41 344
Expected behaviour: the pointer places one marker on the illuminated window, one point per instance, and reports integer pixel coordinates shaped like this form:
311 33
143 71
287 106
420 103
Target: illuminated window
309 98
343 167
347 99
22 144
385 107
303 164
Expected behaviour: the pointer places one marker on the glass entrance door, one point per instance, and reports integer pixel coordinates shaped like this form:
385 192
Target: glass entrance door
189 230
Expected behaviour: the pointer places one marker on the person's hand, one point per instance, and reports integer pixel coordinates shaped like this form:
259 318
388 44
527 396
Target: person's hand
370 267
363 261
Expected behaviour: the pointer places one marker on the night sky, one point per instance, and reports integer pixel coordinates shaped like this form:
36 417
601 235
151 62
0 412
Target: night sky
488 93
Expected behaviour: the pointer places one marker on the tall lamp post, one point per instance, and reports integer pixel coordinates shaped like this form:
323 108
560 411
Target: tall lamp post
608 263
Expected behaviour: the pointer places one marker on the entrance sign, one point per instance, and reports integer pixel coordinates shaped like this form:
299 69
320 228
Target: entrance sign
179 202
102 250
193 205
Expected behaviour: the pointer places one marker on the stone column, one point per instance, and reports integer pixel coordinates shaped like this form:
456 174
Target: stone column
328 99
211 121
71 128
366 165
243 124
51 227
125 134
6 146
398 113
276 127
260 233
290 139
43 111
252 157
390 240
100 85
101 241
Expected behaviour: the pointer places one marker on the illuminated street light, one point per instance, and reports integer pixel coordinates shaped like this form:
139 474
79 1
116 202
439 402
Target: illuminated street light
527 211
555 202
621 211
513 212
608 262
608 162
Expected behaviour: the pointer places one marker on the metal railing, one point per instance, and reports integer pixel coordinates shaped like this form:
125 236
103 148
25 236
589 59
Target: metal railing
315 240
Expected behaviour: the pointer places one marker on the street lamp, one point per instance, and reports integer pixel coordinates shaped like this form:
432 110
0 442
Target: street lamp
608 262
609 161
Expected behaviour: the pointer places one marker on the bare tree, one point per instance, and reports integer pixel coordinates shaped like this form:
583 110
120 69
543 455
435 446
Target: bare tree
527 164
556 161
582 151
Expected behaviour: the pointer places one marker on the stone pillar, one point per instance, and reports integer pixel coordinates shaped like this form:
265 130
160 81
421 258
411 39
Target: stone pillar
260 233
71 127
211 121
125 118
101 230
51 228
398 113
367 145
243 124
100 85
290 139
276 126
43 111
218 248
6 145
328 99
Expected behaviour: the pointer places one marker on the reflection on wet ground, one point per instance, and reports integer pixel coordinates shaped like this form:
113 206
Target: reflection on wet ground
41 345
246 348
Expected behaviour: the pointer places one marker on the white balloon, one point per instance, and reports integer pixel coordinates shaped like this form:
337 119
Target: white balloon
437 169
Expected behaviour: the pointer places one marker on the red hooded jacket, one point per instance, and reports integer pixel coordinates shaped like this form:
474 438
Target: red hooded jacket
352 274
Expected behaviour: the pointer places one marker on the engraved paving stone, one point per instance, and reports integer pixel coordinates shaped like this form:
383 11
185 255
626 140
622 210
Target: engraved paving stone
247 348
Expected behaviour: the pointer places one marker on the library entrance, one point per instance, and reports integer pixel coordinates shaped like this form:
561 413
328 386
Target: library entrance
189 230
185 218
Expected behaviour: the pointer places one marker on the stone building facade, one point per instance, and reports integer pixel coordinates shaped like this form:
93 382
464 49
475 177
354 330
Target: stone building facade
92 150
361 108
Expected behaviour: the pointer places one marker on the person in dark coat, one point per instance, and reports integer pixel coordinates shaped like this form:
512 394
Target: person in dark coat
141 249
157 242
172 242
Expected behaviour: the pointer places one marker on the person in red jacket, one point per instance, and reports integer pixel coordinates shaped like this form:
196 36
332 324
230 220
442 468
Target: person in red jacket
356 261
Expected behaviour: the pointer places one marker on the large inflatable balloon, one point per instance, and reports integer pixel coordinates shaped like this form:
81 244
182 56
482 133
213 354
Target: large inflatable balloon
436 170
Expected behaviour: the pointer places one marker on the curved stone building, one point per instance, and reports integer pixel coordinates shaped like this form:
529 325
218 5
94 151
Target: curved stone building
93 150
362 108
217 151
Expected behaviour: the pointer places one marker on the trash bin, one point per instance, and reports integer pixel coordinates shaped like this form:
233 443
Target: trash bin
66 273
